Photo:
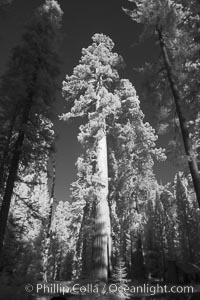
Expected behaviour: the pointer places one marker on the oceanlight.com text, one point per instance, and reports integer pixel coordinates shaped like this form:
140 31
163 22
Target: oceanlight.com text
113 288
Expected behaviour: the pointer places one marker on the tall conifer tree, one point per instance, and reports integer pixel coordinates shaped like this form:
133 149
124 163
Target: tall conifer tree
32 71
116 142
173 23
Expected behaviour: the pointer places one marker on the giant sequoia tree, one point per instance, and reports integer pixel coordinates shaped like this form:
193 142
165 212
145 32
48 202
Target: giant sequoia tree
90 87
118 147
174 24
27 96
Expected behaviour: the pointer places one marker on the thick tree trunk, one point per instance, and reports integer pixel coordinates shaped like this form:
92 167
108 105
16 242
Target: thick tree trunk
83 266
102 238
84 243
192 163
86 256
12 174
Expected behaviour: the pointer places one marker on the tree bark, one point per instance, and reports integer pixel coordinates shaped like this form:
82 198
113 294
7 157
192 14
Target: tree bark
138 271
102 238
49 233
192 163
6 148
13 173
186 226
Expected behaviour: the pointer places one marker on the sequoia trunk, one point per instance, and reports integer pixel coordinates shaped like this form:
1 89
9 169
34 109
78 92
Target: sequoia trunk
102 238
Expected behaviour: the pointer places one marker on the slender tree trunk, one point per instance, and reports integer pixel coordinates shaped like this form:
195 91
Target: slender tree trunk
45 258
140 273
186 226
192 163
57 264
6 148
137 255
13 173
162 250
102 238
48 238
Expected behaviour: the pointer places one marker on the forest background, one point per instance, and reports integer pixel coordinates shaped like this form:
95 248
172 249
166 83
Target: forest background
119 195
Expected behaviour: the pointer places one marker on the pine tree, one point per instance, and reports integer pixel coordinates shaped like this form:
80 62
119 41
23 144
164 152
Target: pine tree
160 232
120 272
37 60
49 233
184 218
169 220
149 239
172 24
64 241
28 212
160 236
